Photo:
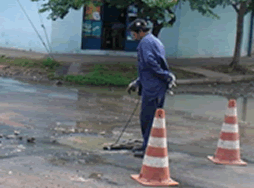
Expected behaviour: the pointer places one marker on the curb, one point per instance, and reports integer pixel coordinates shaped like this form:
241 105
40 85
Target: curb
223 80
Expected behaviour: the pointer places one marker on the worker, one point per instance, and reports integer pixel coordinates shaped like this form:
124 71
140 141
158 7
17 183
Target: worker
154 77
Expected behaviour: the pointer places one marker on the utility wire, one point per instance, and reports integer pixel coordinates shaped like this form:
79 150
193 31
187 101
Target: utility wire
128 122
34 28
43 26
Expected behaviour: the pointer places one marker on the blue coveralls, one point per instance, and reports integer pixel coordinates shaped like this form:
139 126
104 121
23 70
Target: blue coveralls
153 81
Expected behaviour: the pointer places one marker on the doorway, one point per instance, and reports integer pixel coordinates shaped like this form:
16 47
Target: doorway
114 28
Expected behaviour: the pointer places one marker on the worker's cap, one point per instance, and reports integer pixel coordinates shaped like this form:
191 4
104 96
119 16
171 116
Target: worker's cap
139 24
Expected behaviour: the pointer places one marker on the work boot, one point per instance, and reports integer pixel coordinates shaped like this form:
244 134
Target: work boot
139 154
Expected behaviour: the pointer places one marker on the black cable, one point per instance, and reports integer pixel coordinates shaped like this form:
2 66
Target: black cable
128 121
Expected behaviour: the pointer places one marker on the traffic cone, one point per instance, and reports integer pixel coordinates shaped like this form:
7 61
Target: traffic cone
228 148
155 168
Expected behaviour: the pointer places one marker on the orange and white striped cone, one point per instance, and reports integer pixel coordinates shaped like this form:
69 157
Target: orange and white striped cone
228 149
155 168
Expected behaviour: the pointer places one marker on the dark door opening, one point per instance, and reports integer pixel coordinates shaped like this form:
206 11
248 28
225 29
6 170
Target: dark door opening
114 28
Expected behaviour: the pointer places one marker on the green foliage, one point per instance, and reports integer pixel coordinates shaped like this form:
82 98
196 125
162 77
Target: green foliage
155 10
165 4
251 6
205 7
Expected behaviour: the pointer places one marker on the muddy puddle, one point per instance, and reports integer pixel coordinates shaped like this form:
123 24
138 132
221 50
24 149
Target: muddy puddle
85 143
108 113
85 118
209 105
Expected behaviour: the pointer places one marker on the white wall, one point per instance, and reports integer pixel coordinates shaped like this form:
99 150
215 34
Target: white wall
15 29
201 36
169 36
252 50
66 33
246 35
192 35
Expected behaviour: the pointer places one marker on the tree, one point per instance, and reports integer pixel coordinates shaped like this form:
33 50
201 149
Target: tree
242 7
159 12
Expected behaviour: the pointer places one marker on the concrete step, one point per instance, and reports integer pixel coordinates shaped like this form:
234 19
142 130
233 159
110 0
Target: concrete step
74 69
63 70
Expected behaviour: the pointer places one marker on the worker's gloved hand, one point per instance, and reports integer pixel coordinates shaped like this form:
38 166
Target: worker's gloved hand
132 87
171 80
171 83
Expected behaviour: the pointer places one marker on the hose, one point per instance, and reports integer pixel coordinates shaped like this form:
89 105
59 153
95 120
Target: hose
135 109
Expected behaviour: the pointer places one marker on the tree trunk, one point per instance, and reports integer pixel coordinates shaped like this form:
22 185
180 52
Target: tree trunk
156 28
239 34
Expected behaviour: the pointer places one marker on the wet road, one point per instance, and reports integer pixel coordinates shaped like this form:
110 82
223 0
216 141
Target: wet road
71 125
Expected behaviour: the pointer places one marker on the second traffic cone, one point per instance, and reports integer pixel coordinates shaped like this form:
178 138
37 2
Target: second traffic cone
155 168
228 149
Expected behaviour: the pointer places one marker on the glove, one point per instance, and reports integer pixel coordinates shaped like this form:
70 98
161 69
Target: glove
132 87
171 80
171 83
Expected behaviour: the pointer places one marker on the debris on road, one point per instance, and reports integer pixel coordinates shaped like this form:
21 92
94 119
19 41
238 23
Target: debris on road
80 179
16 132
58 83
10 137
31 140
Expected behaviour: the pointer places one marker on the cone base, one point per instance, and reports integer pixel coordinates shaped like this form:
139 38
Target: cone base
217 161
166 183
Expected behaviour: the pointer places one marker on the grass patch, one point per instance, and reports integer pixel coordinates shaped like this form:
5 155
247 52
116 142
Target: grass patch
120 74
106 75
48 63
102 74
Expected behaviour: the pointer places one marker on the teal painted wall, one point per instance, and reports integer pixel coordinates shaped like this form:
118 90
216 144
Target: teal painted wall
201 36
15 29
66 33
193 35
170 36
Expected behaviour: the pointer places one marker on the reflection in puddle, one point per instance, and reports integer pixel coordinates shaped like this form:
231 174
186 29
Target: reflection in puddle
101 110
66 96
210 105
85 142
244 109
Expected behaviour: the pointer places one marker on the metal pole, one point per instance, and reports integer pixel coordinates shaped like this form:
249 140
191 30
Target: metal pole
251 34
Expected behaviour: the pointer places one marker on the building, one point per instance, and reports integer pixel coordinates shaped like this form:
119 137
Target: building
105 28
90 31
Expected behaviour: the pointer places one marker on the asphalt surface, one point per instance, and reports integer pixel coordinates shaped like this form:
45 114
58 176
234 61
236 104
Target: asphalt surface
70 126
